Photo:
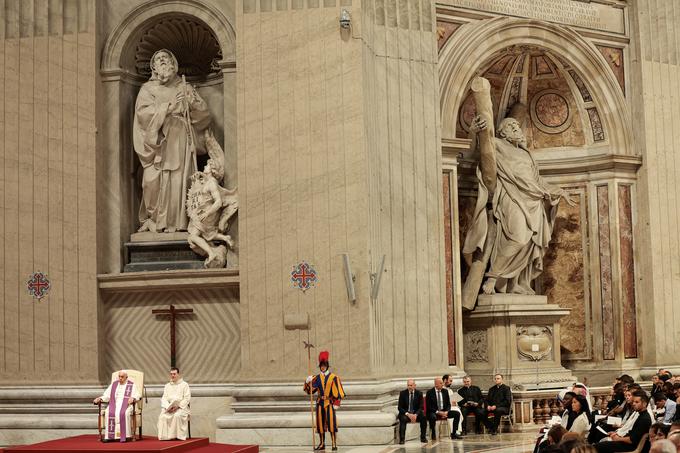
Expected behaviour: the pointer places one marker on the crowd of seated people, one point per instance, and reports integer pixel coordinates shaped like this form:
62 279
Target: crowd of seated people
632 418
442 403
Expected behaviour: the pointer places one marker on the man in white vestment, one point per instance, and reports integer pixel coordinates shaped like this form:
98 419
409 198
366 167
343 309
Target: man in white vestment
173 422
120 395
454 398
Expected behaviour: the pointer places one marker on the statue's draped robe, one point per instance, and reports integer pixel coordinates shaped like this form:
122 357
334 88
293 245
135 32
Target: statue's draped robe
524 207
120 400
161 141
174 425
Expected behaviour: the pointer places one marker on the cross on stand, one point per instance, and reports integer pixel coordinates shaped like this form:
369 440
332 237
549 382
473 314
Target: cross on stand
173 312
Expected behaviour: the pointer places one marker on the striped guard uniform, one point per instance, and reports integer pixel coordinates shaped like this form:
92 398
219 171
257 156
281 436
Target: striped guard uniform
329 392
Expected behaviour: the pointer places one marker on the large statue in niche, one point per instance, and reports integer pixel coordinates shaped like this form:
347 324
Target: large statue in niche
171 127
515 210
169 116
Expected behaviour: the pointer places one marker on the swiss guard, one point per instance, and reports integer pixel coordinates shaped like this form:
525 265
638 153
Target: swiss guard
329 392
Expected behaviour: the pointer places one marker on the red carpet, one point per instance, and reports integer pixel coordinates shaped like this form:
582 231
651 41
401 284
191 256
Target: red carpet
90 444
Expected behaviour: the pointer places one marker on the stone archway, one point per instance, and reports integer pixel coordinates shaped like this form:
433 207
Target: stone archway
600 174
118 195
462 53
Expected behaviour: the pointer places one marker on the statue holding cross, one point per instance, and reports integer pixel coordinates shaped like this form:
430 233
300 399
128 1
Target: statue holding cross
172 312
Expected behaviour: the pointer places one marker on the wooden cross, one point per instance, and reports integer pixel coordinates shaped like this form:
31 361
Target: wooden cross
173 312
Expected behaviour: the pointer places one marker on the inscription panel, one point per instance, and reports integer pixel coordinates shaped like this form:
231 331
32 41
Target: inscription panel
568 12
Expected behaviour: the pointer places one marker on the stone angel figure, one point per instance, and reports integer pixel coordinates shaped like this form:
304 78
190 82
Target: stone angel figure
210 207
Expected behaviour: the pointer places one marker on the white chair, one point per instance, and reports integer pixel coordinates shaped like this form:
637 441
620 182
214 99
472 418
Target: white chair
137 407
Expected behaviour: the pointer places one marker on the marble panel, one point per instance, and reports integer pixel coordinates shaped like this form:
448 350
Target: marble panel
596 125
448 256
466 210
614 57
444 31
627 273
563 278
606 294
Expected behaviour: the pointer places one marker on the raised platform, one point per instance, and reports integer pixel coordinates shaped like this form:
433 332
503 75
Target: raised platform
90 443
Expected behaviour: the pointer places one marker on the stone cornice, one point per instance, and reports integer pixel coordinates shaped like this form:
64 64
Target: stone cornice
170 280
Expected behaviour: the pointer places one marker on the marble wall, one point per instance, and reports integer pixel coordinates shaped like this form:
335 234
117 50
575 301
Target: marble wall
654 83
303 187
338 153
48 212
207 340
400 91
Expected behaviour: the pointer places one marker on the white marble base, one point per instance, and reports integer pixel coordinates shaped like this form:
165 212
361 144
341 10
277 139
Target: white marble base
148 236
500 333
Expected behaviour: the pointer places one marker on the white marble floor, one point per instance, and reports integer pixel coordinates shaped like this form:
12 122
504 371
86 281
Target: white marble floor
505 443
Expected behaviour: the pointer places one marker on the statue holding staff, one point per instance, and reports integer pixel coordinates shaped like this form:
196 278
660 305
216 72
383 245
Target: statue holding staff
169 115
515 210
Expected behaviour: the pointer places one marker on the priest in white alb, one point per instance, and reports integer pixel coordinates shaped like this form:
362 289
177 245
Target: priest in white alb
120 395
173 422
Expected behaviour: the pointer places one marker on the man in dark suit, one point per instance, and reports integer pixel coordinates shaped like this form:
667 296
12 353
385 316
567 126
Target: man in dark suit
630 441
411 410
498 402
438 407
472 403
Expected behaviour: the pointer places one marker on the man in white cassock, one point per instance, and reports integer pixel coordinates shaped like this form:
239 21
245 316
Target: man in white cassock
173 422
120 395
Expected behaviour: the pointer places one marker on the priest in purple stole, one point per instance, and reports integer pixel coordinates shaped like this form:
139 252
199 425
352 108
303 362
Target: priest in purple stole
120 395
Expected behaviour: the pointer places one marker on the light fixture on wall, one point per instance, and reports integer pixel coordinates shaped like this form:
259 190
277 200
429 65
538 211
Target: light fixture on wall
345 19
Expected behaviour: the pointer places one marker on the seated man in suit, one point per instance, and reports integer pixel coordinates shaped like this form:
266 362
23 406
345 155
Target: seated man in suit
472 402
498 402
438 406
411 410
629 442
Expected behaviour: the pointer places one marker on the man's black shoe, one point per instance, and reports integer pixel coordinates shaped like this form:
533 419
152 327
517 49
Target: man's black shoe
401 442
423 439
456 436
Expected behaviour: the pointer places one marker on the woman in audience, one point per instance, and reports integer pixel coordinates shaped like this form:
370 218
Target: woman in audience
580 417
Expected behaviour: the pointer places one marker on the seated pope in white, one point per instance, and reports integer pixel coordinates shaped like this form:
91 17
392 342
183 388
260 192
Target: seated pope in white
173 422
120 395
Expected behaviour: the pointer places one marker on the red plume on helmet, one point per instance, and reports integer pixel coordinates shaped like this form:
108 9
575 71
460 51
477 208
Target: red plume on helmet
323 358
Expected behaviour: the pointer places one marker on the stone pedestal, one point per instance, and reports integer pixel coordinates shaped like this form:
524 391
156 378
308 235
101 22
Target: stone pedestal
517 336
161 256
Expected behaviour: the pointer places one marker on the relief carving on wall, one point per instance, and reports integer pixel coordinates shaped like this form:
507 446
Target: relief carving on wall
476 346
534 342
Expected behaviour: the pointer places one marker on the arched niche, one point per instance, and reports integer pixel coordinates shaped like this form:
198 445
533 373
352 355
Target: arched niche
203 40
473 45
592 240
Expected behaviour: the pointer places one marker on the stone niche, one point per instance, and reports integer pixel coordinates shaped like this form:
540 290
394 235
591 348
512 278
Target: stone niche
204 45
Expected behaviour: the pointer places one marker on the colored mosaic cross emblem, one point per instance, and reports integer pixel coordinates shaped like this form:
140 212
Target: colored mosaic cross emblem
303 276
38 285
